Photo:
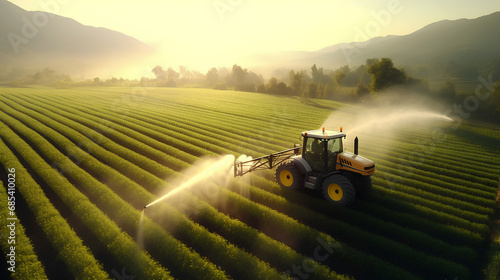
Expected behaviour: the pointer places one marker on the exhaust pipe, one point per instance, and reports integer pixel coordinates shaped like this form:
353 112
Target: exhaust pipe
356 145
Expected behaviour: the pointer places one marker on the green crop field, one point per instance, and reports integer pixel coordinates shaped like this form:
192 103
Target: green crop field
83 162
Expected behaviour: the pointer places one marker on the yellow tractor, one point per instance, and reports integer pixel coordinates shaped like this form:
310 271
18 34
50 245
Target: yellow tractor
319 163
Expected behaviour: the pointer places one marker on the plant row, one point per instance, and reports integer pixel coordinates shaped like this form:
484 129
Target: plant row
273 223
266 245
161 153
137 174
451 183
26 263
394 229
394 210
120 245
78 259
180 258
223 253
479 206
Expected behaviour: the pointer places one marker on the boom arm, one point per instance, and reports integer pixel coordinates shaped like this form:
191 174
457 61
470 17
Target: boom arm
266 162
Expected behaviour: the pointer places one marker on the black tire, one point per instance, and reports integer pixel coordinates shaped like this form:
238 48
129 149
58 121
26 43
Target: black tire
339 190
288 176
363 184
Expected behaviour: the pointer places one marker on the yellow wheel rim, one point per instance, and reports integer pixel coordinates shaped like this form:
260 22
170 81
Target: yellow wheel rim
286 178
335 192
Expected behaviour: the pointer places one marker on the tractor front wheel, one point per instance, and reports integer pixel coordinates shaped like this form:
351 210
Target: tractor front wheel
288 176
363 184
339 190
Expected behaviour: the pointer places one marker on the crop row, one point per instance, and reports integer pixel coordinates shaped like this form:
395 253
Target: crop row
415 261
165 155
451 183
196 146
396 224
194 123
492 270
445 213
165 131
412 238
74 132
27 264
449 153
464 138
231 140
180 259
225 122
478 210
77 257
456 167
187 233
433 160
177 226
122 246
261 130
224 133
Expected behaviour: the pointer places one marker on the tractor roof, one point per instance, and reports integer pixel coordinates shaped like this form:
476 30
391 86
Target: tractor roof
325 134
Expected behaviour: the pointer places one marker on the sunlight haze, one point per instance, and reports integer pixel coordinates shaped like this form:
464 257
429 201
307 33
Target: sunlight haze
201 34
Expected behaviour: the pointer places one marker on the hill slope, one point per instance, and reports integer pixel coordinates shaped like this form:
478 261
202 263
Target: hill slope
39 39
463 40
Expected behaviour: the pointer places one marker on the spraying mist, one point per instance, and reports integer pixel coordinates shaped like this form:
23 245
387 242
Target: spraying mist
203 170
201 176
387 121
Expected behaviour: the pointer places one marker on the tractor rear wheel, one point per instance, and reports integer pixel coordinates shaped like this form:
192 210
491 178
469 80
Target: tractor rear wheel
339 190
288 176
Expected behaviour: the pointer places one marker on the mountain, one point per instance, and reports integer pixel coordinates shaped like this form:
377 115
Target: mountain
461 41
32 39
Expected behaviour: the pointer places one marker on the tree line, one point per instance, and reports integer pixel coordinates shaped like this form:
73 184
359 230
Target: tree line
363 82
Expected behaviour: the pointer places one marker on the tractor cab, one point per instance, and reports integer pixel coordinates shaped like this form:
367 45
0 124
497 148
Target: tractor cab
320 149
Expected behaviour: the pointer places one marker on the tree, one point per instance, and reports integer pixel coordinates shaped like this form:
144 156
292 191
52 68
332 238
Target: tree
212 77
384 75
172 74
312 90
298 82
159 73
238 75
339 76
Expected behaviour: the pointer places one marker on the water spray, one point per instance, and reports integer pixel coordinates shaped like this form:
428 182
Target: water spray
221 165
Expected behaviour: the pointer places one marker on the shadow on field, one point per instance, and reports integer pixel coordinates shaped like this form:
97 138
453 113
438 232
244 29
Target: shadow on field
316 104
490 143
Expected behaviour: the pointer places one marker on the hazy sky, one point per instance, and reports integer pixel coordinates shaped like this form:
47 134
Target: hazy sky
222 32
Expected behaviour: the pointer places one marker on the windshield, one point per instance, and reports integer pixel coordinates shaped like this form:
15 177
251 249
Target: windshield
334 145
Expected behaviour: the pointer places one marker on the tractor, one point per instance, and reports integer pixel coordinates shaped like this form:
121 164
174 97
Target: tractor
319 163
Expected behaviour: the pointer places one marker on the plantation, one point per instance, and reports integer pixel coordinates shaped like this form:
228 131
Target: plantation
87 160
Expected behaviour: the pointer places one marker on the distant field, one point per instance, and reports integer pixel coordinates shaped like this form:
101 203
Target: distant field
87 160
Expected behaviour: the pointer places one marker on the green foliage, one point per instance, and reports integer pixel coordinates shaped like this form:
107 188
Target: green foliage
385 75
492 270
427 221
77 257
27 266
